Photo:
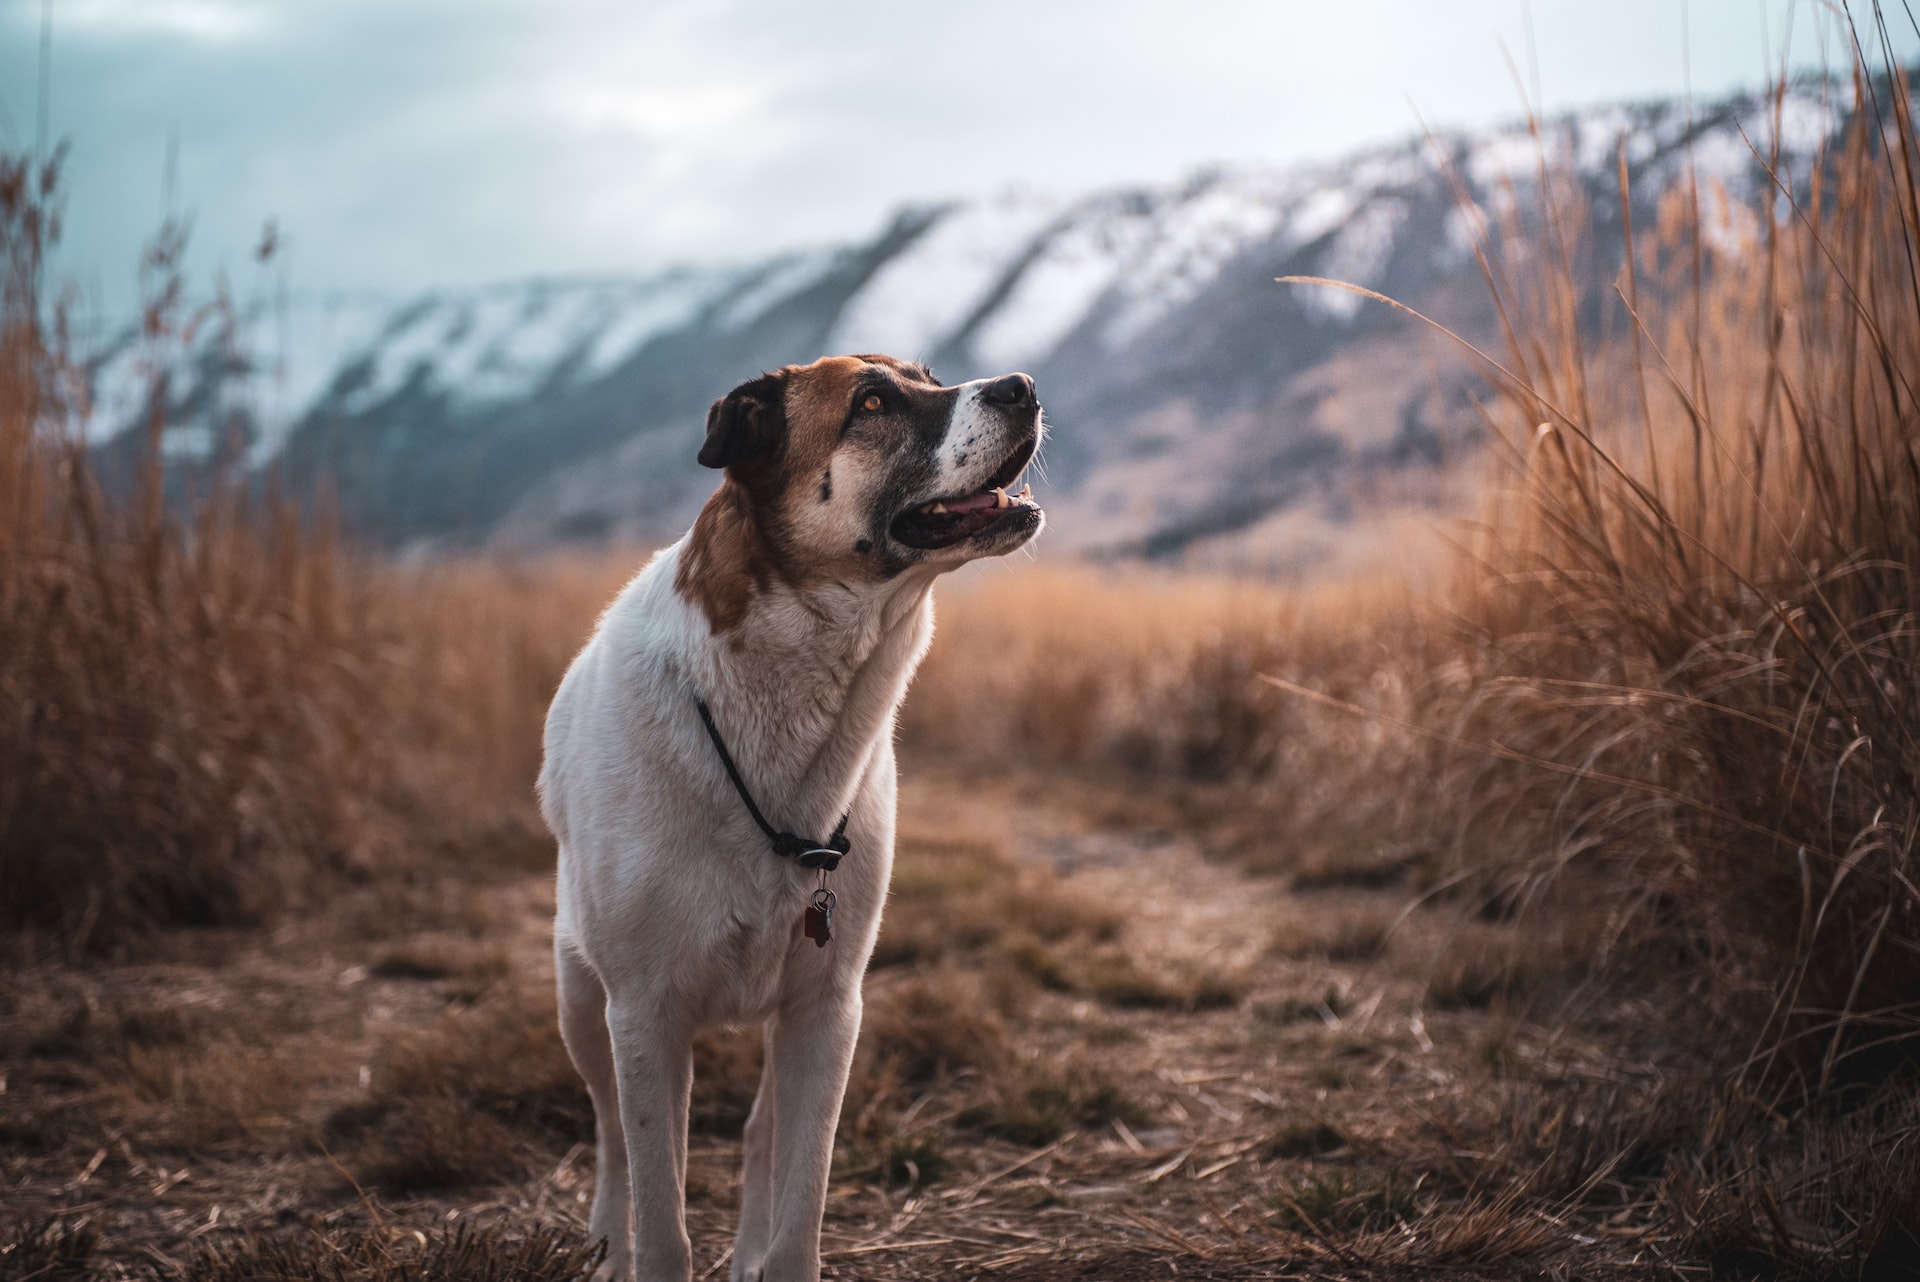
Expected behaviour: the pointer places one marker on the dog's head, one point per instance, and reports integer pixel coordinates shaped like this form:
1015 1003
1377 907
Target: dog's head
860 468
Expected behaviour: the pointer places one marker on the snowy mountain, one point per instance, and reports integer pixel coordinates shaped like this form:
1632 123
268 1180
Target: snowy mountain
1193 399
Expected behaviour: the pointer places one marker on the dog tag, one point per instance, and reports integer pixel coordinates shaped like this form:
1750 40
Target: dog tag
819 919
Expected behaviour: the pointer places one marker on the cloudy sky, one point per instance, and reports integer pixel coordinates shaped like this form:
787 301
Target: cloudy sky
405 143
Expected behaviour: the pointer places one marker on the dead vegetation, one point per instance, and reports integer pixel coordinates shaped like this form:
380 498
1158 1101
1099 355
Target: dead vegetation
1689 705
1698 656
170 684
213 711
1594 947
466 1100
58 1250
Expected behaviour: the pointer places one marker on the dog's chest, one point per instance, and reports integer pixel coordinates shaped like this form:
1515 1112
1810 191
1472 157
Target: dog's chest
748 949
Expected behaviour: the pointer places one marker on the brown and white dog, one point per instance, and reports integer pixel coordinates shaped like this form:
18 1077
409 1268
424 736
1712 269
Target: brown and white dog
797 608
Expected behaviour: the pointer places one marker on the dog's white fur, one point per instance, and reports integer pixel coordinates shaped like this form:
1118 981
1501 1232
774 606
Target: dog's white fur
673 913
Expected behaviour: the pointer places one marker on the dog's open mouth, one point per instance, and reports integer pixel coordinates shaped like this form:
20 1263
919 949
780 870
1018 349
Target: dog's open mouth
947 521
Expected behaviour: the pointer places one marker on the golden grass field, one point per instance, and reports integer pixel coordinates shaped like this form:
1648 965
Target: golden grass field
1554 918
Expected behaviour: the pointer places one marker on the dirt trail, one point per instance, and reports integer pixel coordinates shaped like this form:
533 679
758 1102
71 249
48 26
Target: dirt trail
1286 1077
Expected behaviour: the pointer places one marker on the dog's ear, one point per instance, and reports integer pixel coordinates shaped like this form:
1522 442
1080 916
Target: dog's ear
749 422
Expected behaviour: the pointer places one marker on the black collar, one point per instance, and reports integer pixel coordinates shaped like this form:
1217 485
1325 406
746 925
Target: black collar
824 855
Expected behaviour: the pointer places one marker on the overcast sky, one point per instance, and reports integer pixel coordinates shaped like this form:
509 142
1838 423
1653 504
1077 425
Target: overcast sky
407 143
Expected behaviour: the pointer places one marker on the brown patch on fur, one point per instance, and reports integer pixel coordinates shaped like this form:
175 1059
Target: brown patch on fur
730 557
726 561
817 400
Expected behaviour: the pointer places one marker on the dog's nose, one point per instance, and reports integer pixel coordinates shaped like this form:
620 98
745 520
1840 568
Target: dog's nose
1009 389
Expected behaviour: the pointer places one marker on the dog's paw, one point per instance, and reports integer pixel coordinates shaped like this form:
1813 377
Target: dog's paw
614 1271
747 1270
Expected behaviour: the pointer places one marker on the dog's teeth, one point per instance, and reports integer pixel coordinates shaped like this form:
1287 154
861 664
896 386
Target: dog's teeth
1026 492
935 507
999 498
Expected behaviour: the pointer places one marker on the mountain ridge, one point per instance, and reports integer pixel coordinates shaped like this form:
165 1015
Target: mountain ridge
1192 397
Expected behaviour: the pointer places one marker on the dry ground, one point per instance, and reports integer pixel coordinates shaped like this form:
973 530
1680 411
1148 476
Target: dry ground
1095 1048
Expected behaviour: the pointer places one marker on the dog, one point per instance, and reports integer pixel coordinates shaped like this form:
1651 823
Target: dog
742 690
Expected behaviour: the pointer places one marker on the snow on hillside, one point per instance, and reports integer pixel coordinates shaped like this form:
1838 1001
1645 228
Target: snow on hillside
929 289
358 352
507 341
1003 280
1185 240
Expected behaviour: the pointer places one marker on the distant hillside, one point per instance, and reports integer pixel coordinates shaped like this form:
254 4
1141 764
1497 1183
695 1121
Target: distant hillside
1193 399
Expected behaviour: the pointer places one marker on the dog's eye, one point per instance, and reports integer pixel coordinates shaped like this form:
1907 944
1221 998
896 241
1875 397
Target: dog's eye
871 403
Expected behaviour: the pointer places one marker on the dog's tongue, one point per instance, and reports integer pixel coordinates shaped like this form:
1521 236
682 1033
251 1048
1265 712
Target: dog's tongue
974 502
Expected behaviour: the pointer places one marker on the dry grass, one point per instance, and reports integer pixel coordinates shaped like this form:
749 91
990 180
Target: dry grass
473 650
66 1249
54 1249
1351 932
464 1252
176 1077
171 692
467 1100
1116 976
211 709
1688 706
171 685
935 1043
951 897
1700 640
1154 677
1661 733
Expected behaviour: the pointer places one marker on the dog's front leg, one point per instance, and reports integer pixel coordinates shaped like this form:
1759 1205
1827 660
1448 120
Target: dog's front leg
653 1057
810 1053
756 1182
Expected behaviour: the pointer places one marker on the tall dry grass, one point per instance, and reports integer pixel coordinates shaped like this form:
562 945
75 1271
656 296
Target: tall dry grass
1685 707
210 708
1130 669
1697 660
1134 676
177 734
